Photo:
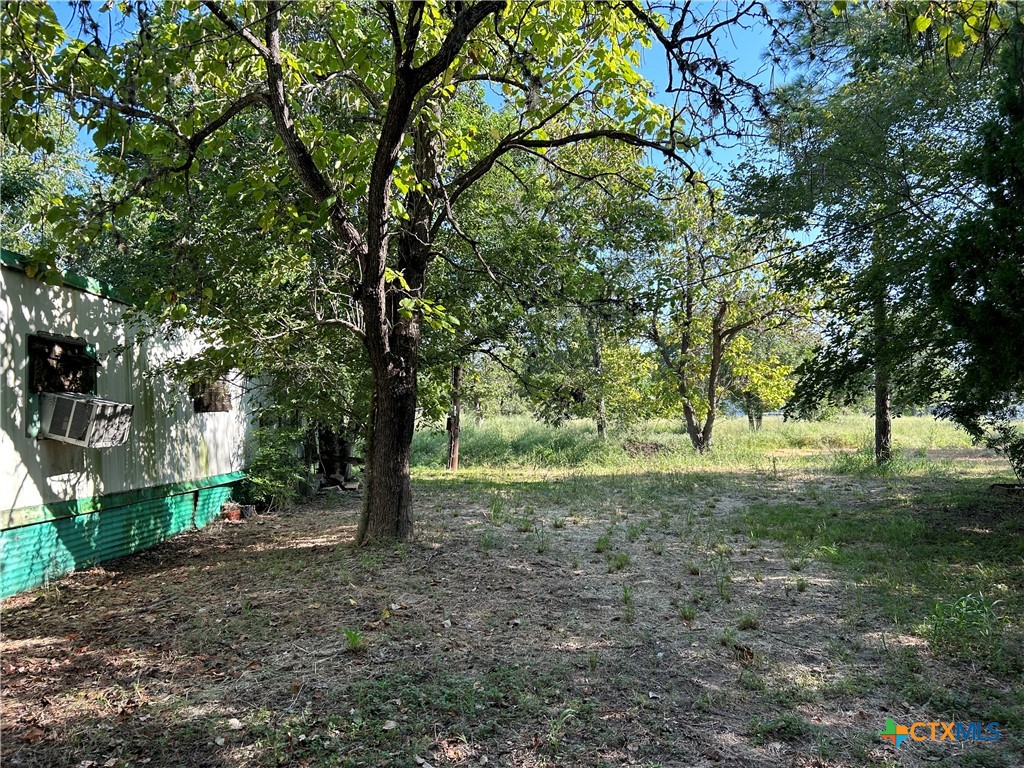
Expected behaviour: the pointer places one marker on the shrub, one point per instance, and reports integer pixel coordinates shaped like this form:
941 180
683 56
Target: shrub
276 474
1009 441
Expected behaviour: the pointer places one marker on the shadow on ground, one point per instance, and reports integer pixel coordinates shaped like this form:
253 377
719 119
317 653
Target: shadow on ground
572 619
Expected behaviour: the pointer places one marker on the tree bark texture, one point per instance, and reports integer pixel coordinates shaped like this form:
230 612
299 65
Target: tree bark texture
693 427
393 335
387 495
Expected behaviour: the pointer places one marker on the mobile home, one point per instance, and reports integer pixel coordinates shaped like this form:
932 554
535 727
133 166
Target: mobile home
102 451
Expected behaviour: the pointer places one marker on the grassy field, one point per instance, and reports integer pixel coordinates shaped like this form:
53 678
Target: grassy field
568 601
521 442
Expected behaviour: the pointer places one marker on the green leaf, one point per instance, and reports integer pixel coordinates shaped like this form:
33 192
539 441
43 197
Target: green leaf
406 307
398 209
394 276
921 23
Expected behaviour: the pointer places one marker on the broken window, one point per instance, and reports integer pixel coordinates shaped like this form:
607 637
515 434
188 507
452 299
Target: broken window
61 365
210 396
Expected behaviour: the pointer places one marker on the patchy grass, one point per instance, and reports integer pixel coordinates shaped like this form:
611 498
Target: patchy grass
590 604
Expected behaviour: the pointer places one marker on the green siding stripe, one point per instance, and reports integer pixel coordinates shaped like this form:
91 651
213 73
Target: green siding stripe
34 554
209 503
69 279
16 518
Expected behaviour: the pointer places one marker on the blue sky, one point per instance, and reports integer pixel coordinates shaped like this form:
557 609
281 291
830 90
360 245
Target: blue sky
744 50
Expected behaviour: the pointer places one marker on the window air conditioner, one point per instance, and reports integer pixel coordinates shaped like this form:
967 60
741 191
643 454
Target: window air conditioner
84 420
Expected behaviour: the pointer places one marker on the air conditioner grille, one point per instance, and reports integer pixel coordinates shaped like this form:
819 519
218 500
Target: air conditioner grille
62 410
111 422
79 428
84 420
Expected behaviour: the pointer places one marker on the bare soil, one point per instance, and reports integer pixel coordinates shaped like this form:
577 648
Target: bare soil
500 637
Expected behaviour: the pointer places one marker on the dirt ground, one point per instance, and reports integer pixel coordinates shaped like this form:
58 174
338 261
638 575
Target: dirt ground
554 619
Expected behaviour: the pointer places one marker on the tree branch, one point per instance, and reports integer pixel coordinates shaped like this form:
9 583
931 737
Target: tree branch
239 106
236 28
299 156
467 20
396 34
413 22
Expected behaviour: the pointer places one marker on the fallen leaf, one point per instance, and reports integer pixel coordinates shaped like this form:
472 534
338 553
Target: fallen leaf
389 725
219 741
235 724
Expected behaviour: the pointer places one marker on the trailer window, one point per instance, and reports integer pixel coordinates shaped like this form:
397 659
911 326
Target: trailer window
61 365
210 396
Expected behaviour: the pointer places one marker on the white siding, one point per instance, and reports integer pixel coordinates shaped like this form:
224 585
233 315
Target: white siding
168 442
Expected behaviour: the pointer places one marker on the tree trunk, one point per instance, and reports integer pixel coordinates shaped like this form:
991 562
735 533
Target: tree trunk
694 429
598 362
387 496
883 413
454 419
701 435
392 339
754 408
883 420
706 433
345 454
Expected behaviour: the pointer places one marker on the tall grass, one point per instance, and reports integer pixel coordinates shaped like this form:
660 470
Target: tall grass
520 441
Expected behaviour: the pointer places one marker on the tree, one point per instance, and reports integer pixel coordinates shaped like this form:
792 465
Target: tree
568 222
976 284
353 104
588 229
873 141
710 292
35 183
762 377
